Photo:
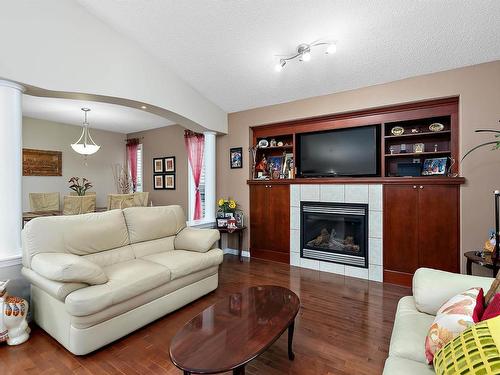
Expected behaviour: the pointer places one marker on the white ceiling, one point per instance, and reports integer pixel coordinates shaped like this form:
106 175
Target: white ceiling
225 49
111 117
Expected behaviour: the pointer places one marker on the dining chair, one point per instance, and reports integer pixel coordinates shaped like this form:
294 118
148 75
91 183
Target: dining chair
44 202
75 205
120 201
141 199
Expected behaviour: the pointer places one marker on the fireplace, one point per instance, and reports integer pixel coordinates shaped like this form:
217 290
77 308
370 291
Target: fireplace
334 232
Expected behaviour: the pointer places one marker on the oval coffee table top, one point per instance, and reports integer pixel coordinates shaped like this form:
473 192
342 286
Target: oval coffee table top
234 330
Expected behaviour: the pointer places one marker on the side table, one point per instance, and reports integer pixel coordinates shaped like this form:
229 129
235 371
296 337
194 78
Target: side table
238 231
487 262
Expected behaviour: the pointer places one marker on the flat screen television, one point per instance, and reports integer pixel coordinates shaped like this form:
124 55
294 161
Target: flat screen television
342 152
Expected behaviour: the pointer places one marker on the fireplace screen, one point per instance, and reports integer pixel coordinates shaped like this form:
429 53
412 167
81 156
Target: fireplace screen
335 232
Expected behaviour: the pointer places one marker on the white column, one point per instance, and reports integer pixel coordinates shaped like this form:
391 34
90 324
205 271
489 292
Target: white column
10 169
209 159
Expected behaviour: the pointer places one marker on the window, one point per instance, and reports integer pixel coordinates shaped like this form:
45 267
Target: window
139 186
207 183
192 192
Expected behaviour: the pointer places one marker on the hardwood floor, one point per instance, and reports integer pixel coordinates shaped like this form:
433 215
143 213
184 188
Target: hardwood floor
343 327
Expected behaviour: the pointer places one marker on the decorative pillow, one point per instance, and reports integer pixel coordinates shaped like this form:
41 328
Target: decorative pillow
474 351
493 309
455 316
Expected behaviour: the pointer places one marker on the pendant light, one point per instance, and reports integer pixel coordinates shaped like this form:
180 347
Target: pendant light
85 144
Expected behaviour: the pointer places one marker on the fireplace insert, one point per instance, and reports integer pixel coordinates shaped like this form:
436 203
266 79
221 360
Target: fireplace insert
334 232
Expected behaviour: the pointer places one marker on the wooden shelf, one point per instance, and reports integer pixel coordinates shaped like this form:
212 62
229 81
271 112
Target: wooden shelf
406 154
442 132
286 147
428 180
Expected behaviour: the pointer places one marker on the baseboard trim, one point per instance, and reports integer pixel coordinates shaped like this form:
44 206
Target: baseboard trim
12 260
244 253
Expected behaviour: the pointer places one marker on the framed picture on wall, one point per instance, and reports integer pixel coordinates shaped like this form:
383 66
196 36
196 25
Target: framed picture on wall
170 181
158 165
169 164
236 157
158 183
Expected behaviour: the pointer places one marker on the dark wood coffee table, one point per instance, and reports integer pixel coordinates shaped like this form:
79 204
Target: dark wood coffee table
232 332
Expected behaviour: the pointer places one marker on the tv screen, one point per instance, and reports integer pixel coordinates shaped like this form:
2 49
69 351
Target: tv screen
342 152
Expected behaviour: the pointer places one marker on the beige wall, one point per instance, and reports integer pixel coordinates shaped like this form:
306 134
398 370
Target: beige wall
479 90
48 135
161 142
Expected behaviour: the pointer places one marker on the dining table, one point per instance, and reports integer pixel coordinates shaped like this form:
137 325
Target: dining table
30 215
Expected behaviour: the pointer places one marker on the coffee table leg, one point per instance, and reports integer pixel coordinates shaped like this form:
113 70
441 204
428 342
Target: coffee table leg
187 373
239 370
291 327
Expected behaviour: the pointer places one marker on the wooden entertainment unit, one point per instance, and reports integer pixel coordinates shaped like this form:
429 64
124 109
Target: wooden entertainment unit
421 222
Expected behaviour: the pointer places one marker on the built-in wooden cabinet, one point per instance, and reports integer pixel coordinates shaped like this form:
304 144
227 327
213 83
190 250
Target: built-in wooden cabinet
421 229
270 222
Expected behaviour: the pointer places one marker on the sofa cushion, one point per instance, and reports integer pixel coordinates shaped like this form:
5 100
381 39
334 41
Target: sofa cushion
142 249
400 366
151 223
109 257
76 234
68 268
182 262
409 331
82 322
195 239
125 280
429 299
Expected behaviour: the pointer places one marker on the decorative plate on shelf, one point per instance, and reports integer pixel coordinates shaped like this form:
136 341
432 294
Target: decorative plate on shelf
263 143
397 130
436 127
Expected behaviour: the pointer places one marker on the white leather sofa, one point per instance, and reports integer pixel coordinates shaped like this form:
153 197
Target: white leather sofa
99 276
415 314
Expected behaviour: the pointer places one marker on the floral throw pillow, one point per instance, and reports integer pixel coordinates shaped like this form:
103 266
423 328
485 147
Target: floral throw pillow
454 317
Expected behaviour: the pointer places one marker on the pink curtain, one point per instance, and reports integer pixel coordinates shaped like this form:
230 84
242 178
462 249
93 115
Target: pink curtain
132 145
195 143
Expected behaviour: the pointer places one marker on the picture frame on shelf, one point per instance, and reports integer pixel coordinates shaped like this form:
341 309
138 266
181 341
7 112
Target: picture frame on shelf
221 223
158 166
169 181
435 167
238 215
236 157
169 164
158 182
275 165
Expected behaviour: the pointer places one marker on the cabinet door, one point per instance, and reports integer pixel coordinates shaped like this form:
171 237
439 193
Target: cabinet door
400 233
278 220
259 202
438 227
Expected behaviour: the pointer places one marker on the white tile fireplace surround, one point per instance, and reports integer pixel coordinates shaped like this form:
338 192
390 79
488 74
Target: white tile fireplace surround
370 194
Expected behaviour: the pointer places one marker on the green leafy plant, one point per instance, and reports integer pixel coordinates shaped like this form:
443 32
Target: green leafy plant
79 189
495 143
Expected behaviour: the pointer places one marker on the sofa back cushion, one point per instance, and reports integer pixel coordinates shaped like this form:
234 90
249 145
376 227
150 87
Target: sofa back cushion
151 223
113 256
78 234
142 249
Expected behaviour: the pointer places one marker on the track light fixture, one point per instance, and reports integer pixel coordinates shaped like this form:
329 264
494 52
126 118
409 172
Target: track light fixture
304 52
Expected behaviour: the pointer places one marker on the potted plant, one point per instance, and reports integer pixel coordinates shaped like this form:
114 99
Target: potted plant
80 189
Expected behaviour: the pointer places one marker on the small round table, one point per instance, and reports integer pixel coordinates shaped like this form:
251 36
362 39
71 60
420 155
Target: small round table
239 231
487 262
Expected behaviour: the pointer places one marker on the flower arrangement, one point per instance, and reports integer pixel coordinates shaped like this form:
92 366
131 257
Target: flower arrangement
80 189
227 205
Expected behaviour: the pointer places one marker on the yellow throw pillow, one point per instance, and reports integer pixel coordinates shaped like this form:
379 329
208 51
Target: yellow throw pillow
474 351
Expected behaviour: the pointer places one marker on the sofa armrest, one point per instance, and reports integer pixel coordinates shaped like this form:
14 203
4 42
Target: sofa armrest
195 239
432 288
68 268
56 289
